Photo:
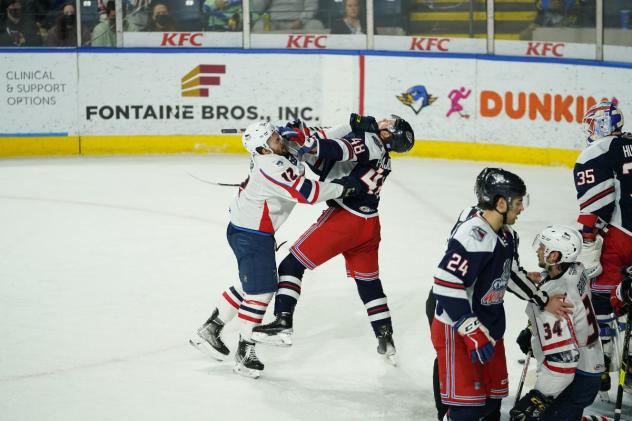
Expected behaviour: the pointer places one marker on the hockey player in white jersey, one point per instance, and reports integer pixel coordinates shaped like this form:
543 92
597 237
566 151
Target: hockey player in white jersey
568 350
264 201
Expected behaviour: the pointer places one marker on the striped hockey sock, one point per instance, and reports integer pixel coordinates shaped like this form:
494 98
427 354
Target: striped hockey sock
375 302
229 304
251 312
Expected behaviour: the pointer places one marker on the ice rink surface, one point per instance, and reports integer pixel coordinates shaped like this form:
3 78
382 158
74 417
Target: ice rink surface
109 265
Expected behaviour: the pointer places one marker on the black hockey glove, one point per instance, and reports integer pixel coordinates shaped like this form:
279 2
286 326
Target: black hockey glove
626 285
524 340
530 407
363 123
351 186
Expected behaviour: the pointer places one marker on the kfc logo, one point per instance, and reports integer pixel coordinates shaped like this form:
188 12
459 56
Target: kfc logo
429 44
544 49
306 41
182 39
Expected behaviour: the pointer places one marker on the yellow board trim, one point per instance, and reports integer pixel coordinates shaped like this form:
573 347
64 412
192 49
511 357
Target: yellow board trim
477 16
464 35
132 145
39 146
136 145
498 153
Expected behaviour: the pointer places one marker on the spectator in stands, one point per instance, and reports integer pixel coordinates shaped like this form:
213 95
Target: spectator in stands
137 15
287 15
350 22
556 12
223 15
64 32
104 33
160 20
17 30
43 13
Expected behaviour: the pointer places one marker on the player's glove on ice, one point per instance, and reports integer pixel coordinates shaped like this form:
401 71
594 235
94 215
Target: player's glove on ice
363 123
477 340
530 407
524 340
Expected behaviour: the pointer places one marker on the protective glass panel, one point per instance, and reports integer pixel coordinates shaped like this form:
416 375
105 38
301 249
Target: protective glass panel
286 17
449 18
25 24
617 22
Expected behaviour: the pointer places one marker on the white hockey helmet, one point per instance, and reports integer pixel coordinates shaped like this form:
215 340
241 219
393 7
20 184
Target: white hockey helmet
256 136
561 238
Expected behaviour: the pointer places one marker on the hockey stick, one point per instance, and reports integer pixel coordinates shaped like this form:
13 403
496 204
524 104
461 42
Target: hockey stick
213 182
523 376
596 418
623 368
234 130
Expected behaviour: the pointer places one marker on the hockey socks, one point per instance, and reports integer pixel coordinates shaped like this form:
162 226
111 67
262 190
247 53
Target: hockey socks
229 303
251 312
375 302
290 274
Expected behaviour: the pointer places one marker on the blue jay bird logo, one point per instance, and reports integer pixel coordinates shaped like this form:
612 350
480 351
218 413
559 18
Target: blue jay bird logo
417 98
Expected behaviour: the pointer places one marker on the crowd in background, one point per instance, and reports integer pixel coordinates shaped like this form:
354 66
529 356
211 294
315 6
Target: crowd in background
54 22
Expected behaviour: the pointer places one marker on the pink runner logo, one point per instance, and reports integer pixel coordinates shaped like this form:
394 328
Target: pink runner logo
455 97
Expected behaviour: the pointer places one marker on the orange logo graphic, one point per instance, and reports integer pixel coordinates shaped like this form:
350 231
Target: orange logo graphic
197 81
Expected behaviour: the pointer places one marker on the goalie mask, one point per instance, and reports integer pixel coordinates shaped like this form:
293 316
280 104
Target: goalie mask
602 120
256 137
561 238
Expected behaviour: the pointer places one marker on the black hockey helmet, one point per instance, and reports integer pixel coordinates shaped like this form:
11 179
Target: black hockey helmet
493 183
403 137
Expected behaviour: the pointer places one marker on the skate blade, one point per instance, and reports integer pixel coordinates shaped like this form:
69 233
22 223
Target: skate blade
280 339
392 359
246 372
206 349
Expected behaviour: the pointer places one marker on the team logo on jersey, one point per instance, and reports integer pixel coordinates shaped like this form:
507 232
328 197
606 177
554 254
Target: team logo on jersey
478 233
496 292
417 98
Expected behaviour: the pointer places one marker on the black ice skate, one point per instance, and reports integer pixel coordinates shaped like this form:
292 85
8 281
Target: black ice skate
246 361
279 332
385 344
209 338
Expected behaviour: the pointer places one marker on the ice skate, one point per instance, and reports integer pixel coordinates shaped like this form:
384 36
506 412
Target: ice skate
209 339
385 344
279 332
246 361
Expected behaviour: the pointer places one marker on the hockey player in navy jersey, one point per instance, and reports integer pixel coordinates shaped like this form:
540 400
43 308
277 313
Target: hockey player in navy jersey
264 201
568 351
603 180
350 226
479 265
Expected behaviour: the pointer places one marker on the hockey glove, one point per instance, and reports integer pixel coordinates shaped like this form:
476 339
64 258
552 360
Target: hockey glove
524 340
310 144
477 339
351 186
363 123
530 407
621 300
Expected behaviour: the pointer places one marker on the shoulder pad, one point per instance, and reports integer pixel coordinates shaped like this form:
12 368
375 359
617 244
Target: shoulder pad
476 235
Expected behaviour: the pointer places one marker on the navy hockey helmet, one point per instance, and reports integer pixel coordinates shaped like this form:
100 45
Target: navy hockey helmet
403 137
493 183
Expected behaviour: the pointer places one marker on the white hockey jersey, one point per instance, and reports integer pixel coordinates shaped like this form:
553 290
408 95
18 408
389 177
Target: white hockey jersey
275 185
563 347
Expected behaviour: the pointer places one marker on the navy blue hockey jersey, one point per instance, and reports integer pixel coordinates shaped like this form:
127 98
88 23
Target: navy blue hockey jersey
479 265
361 155
603 179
